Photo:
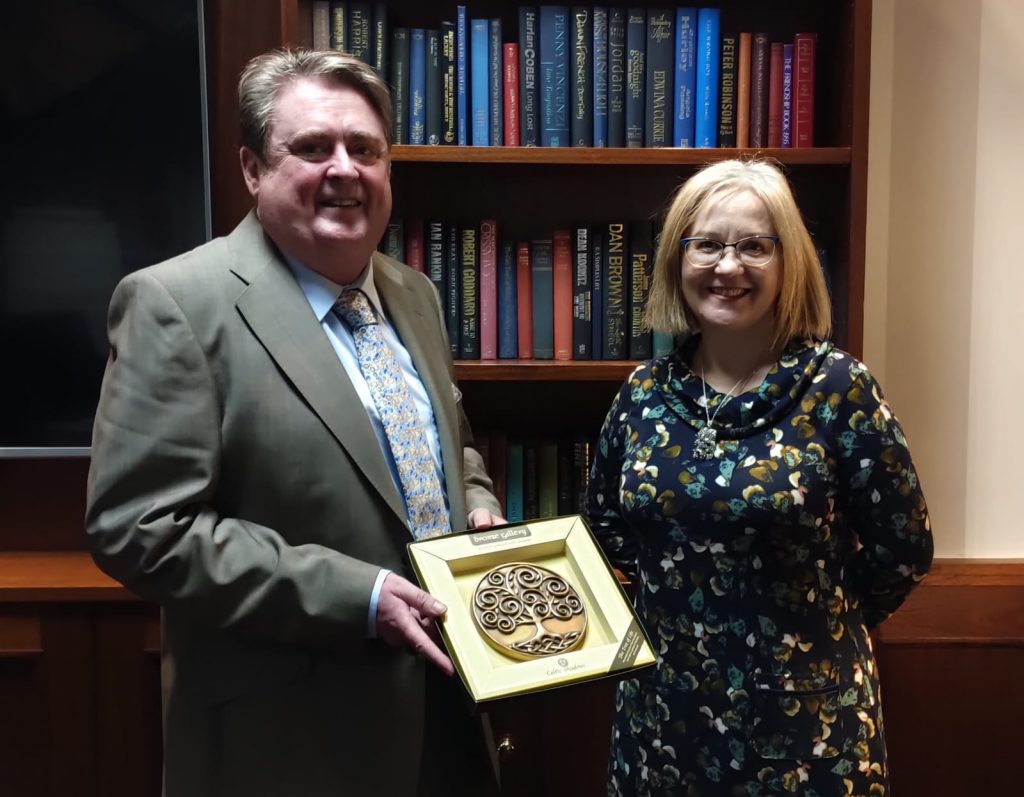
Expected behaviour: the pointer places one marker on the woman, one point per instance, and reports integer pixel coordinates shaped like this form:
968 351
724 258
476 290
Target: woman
760 492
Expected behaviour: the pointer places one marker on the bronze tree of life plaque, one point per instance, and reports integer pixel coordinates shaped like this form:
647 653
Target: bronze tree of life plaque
526 611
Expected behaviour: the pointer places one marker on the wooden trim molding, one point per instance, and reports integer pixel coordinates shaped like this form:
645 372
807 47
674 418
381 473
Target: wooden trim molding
946 607
66 577
20 636
975 602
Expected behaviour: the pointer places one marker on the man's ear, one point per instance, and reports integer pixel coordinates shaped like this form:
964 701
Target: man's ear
252 169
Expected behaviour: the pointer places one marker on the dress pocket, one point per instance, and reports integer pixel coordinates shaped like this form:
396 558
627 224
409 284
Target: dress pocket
801 720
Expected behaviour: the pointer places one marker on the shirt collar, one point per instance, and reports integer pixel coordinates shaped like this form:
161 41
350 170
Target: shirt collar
322 293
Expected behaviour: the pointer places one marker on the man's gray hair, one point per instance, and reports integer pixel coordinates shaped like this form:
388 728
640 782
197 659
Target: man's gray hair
266 75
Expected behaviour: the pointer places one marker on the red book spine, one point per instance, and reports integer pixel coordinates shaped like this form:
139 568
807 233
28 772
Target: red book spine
775 95
524 300
804 46
414 244
488 289
562 294
511 68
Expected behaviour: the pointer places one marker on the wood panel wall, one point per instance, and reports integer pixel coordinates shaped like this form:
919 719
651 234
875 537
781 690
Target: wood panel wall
952 669
80 698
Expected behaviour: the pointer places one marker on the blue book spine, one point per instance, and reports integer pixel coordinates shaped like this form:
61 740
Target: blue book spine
659 78
597 244
581 119
708 66
494 80
479 71
449 123
686 77
617 78
542 277
381 36
432 98
600 48
417 86
529 101
554 76
514 484
400 85
636 54
508 305
461 76
787 95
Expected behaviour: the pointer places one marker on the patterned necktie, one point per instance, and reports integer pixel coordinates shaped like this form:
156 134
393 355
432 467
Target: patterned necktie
424 500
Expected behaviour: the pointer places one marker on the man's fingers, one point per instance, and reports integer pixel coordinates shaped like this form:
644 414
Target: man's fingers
420 642
405 618
413 596
481 518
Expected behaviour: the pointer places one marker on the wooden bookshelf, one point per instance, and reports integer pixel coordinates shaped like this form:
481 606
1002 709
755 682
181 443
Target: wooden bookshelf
617 156
542 370
533 191
80 662
593 184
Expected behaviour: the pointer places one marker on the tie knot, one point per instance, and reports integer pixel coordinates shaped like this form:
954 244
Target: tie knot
354 308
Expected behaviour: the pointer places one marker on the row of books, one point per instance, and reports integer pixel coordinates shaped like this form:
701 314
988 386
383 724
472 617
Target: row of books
537 478
583 76
576 294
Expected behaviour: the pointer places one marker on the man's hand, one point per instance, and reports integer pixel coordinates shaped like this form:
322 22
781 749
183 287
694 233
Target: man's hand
405 618
481 518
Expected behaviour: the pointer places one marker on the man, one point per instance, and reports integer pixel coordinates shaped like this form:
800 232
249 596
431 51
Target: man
248 474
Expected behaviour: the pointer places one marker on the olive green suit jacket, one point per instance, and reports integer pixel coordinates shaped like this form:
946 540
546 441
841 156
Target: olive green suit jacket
237 481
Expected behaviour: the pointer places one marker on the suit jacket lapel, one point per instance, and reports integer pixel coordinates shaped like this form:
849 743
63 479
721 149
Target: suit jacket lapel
420 338
279 315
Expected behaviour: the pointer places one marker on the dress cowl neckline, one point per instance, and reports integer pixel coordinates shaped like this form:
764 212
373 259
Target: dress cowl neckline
786 382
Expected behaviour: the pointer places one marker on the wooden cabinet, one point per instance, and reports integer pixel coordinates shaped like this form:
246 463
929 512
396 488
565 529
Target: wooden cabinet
79 681
80 695
47 741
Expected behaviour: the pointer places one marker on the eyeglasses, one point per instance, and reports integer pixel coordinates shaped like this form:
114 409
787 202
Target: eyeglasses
756 251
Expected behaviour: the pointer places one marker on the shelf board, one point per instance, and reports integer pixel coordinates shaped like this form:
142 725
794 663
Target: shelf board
543 370
613 156
65 576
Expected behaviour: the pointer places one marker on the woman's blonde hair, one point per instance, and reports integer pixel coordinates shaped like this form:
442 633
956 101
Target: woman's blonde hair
803 308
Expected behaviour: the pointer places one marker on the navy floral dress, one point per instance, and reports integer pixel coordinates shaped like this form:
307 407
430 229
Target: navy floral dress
758 575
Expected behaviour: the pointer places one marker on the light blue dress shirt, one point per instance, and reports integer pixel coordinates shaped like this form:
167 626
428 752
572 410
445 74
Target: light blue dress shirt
322 293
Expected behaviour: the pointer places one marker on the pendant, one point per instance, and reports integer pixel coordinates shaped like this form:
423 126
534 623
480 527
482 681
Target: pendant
705 444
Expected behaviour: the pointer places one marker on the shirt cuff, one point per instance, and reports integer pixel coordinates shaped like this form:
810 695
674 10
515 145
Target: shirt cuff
371 617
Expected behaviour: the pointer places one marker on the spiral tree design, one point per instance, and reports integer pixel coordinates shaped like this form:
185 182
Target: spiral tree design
518 594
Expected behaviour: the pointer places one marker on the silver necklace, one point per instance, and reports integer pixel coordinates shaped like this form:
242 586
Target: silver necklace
707 438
